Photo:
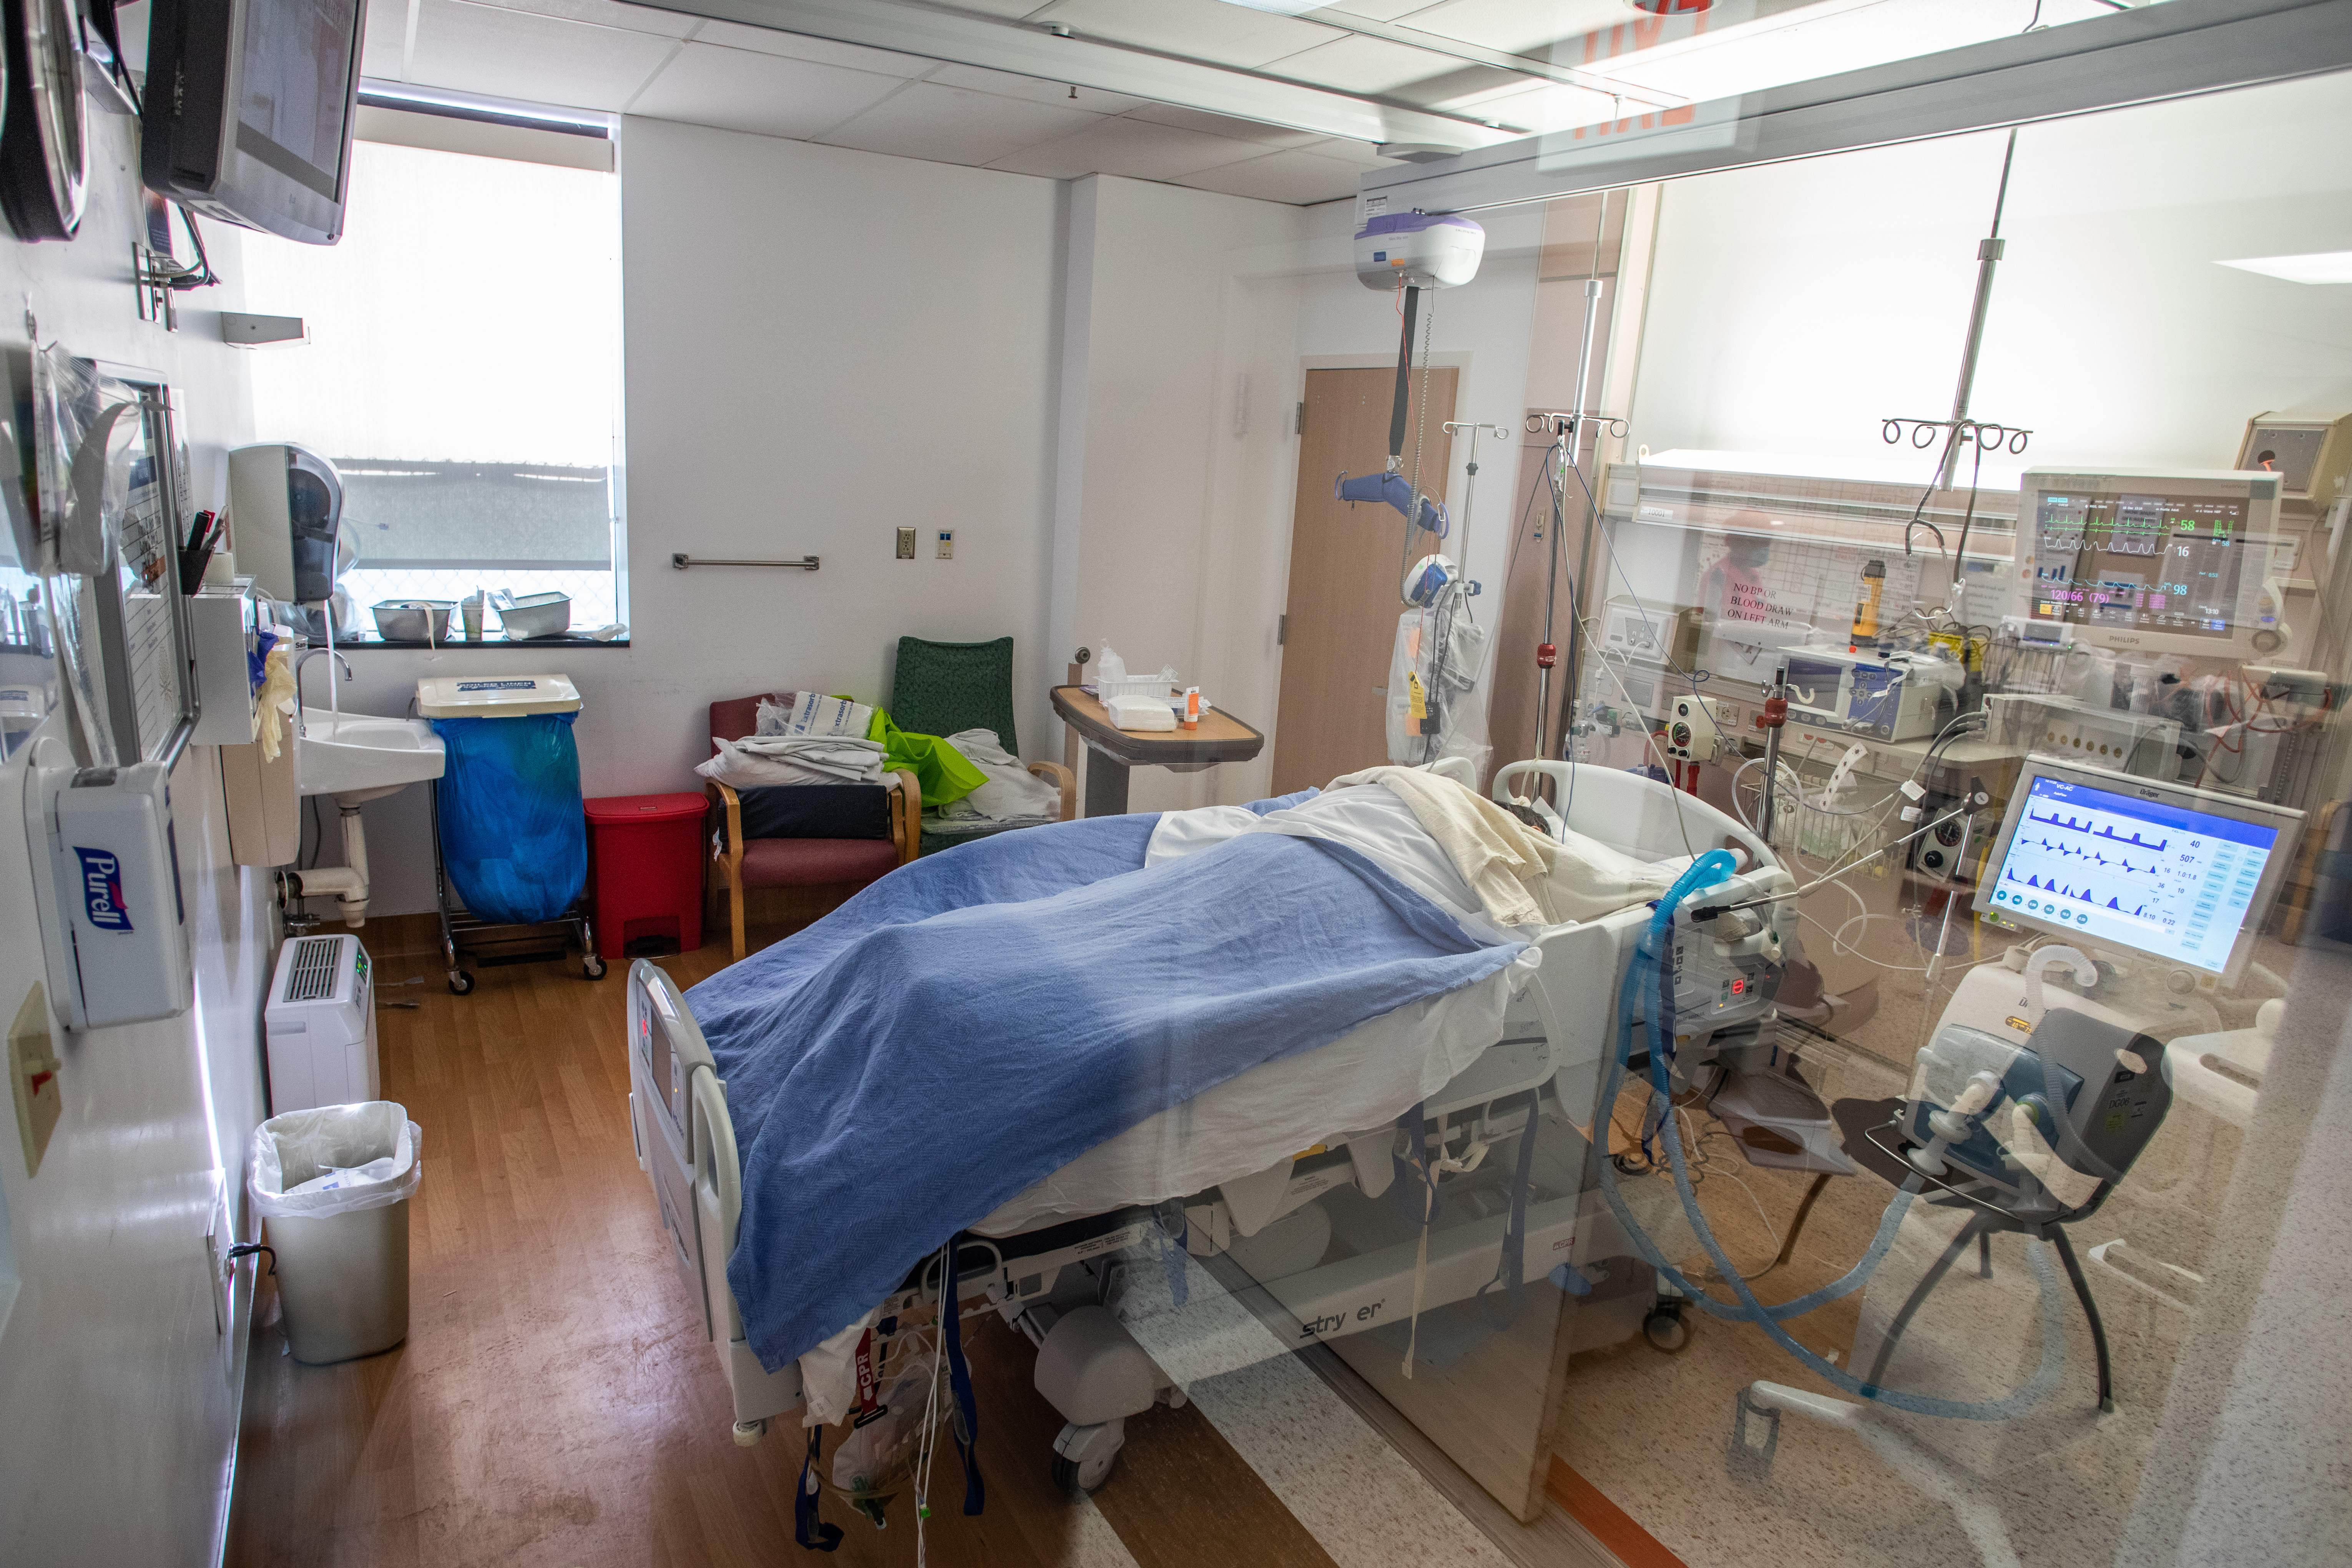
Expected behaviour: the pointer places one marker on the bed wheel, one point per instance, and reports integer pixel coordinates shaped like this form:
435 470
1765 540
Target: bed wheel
749 1433
460 982
1666 1329
592 966
1084 1457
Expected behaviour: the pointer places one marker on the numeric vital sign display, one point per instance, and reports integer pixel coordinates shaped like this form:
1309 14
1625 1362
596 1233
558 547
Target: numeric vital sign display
2160 879
2159 563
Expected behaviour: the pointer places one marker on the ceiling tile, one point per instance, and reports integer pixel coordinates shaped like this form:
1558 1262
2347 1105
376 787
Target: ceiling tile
1195 29
1541 106
1007 8
823 51
1121 145
506 53
769 95
1200 120
1355 154
1392 71
595 13
1036 90
1529 26
1381 10
1289 176
954 125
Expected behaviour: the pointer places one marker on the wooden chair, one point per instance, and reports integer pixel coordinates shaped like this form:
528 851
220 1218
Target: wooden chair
798 862
946 687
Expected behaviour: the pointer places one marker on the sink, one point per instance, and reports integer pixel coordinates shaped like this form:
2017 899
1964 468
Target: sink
362 756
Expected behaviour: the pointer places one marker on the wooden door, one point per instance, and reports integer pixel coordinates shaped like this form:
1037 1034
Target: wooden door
1347 563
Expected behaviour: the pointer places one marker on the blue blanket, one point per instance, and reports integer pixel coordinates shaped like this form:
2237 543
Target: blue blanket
979 1019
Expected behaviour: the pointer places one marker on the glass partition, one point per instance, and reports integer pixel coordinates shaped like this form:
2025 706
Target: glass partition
1941 766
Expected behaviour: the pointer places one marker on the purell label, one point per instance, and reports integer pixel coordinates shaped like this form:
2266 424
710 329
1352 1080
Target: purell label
101 889
496 685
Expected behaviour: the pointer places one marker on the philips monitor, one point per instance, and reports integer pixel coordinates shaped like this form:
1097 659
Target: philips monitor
2181 876
2148 561
249 110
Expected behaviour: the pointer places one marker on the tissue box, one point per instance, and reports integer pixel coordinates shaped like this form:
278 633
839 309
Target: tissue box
1140 713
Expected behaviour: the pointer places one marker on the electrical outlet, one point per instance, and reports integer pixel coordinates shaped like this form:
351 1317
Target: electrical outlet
906 545
947 544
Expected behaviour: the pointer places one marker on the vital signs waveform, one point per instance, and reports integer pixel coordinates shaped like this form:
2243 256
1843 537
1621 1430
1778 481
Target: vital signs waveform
2095 856
2071 824
2057 888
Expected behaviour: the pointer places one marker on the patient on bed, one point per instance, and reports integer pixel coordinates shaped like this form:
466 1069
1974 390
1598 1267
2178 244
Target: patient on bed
1445 841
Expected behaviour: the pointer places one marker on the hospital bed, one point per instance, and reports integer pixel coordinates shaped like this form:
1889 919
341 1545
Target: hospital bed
1050 1276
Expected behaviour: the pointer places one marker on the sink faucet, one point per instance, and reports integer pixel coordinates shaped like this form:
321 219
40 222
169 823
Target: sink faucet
301 726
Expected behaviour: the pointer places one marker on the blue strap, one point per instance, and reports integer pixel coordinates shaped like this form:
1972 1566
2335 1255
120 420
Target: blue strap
1409 1193
966 1422
1510 1271
813 1533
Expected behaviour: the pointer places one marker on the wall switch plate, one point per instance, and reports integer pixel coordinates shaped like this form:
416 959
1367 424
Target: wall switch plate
33 1068
906 545
947 544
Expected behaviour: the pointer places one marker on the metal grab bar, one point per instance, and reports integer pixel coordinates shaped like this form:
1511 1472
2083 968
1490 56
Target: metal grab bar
680 560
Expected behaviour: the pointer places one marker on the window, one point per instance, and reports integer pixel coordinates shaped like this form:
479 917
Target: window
464 374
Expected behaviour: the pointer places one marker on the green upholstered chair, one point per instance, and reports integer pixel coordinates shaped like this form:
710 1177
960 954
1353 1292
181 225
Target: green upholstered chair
941 688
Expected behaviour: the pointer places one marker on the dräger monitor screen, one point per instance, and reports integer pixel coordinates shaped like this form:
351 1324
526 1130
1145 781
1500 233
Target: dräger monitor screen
2166 880
2139 563
294 81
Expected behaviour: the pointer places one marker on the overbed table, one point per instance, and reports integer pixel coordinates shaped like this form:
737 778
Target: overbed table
1221 738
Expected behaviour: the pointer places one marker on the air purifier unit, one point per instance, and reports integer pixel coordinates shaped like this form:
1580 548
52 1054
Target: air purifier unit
319 1024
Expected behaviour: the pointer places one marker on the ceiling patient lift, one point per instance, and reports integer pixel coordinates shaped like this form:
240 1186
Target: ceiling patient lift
1412 251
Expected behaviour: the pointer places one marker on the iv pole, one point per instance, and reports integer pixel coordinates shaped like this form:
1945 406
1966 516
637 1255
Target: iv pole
1568 430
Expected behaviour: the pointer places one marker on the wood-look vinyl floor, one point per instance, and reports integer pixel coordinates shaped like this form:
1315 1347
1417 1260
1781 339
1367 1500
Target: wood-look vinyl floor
554 1402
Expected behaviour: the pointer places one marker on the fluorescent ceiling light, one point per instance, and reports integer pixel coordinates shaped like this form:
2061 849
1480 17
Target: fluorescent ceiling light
1281 7
2320 266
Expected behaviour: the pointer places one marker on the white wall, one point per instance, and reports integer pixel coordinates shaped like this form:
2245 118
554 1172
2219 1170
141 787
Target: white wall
822 345
121 1398
1482 329
1177 375
1794 306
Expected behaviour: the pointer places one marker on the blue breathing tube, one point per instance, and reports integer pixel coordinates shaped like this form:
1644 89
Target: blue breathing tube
1650 958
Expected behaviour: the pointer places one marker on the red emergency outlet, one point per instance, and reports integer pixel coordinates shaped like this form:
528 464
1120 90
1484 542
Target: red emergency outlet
646 865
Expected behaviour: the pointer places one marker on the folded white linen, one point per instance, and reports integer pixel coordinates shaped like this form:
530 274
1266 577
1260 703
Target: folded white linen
762 760
1013 793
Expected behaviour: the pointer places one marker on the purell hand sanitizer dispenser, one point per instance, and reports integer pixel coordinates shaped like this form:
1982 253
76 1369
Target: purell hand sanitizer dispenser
113 921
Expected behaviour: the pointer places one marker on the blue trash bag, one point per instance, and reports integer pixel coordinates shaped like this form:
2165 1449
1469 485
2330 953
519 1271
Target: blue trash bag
512 836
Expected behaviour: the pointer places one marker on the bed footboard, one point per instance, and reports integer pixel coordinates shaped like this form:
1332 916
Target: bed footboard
677 1113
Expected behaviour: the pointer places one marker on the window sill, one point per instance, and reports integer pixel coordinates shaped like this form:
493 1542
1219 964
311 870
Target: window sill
459 645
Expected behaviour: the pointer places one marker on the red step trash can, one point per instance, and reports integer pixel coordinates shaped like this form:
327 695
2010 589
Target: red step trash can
645 862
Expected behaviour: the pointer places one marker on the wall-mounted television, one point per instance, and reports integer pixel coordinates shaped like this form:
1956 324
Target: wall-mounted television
248 111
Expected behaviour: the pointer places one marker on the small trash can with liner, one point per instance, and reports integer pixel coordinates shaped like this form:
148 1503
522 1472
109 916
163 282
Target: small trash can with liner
331 1186
509 839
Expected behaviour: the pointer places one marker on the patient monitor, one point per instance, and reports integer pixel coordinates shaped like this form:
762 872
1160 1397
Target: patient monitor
2149 562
